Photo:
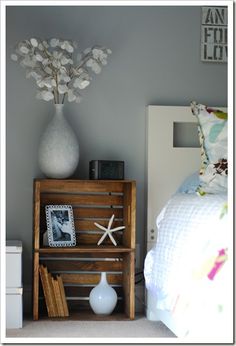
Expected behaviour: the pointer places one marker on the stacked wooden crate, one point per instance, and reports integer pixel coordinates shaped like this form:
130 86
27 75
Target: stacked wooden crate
80 267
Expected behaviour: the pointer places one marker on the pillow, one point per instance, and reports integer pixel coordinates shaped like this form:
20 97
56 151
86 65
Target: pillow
204 157
190 184
213 137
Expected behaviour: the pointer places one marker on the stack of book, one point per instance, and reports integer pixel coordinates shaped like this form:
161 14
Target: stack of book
54 293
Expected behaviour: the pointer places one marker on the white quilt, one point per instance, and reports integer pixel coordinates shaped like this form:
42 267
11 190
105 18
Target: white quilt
191 249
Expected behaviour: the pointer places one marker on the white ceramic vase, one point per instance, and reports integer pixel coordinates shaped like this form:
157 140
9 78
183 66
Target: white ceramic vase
103 297
58 154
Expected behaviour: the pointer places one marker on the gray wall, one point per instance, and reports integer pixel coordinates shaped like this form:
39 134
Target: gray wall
155 60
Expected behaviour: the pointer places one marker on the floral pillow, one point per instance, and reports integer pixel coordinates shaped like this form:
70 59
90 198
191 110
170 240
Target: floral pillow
213 136
204 157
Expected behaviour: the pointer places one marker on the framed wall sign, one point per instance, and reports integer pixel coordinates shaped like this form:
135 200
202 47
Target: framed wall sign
214 34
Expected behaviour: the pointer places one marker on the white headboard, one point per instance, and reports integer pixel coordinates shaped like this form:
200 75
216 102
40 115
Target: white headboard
167 166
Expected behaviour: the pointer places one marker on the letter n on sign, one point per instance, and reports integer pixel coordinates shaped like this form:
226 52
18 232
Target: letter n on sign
214 34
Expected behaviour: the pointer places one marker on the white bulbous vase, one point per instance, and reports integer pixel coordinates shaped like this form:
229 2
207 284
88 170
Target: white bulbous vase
58 154
103 297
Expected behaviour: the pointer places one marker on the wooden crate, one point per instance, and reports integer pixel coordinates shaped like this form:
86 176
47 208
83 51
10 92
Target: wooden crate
80 266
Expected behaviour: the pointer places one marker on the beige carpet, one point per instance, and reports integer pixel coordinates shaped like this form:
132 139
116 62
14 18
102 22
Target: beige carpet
139 328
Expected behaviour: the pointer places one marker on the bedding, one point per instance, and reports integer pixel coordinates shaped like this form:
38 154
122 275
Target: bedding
186 269
204 157
190 184
213 134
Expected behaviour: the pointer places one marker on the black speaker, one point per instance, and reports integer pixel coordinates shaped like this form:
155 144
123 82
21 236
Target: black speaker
106 170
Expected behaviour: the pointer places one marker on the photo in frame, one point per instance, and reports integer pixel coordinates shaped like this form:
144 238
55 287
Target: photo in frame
60 226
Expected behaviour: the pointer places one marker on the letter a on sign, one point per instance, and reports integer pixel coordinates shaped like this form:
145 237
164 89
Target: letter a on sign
214 34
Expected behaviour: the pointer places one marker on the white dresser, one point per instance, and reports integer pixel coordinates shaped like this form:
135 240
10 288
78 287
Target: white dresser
14 290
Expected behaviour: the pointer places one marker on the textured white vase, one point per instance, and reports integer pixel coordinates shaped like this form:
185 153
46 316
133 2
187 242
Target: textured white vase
58 154
103 297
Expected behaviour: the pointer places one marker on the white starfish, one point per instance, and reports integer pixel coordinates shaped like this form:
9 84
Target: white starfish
108 231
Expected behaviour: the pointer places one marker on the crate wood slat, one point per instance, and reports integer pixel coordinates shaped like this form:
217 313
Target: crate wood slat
36 244
91 255
80 266
92 279
92 239
70 186
36 213
84 291
128 284
98 213
36 286
86 225
108 200
129 215
85 249
67 265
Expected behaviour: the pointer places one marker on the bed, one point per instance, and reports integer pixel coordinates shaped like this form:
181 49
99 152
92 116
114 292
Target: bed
188 266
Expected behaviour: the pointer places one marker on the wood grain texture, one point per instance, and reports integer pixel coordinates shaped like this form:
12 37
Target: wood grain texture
36 214
90 278
85 249
36 287
63 296
94 213
79 267
57 293
98 213
92 239
57 265
129 284
88 225
54 185
48 291
83 199
129 215
84 291
91 255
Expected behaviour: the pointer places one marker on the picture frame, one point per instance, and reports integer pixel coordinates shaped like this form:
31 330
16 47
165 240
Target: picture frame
60 225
